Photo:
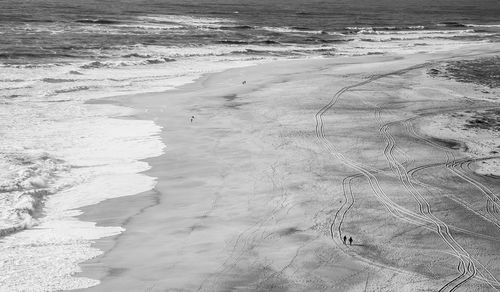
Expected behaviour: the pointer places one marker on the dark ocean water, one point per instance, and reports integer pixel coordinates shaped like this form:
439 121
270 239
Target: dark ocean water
39 31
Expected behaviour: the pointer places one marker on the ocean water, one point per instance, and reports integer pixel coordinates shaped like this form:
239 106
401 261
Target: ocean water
59 153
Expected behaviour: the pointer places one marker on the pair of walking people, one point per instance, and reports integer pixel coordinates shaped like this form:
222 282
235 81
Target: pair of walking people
350 240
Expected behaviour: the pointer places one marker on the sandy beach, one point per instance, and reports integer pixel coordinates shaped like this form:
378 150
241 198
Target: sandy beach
258 191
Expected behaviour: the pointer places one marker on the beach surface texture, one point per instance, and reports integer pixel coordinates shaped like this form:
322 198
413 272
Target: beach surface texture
258 191
249 145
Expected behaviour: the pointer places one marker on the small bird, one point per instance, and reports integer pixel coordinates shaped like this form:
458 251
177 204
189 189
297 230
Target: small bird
244 82
192 119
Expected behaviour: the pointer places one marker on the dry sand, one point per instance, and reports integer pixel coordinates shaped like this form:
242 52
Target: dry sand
256 193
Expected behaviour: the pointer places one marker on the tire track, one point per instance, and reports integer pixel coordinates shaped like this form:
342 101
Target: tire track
453 165
346 205
424 218
367 171
363 170
247 238
425 209
449 164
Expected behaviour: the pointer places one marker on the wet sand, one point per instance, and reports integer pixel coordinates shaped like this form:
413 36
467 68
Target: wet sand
257 192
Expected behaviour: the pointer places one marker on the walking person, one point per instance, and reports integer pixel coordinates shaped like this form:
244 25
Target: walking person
192 119
345 238
350 240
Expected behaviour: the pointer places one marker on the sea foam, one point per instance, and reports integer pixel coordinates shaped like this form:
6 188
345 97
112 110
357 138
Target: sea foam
95 156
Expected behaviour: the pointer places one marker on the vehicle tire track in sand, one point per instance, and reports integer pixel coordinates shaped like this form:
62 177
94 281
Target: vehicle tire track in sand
452 164
393 208
454 198
449 164
491 198
247 238
363 170
442 229
348 201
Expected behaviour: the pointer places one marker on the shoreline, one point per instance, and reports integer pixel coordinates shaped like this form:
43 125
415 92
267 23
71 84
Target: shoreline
133 206
99 212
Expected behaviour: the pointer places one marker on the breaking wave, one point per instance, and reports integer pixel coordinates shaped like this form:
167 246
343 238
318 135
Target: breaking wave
293 29
451 24
114 64
98 21
484 25
25 187
364 29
